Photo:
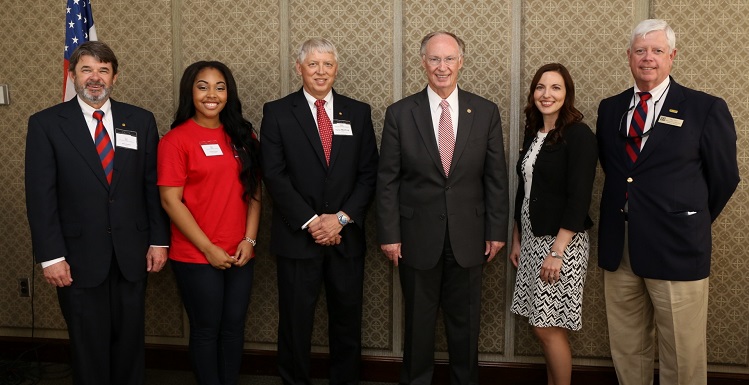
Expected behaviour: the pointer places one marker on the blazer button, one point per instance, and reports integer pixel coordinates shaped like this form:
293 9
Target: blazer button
630 180
326 204
111 200
109 230
448 187
442 217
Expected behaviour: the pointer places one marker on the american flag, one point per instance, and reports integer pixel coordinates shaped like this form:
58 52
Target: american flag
79 28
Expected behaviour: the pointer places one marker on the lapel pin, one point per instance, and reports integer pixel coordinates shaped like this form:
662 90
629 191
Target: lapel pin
468 110
123 124
340 113
671 110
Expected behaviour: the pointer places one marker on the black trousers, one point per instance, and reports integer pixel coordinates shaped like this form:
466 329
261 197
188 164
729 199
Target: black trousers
299 283
106 325
457 290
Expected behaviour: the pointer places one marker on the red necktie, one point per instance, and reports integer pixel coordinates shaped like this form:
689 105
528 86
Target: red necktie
103 146
637 127
446 137
325 127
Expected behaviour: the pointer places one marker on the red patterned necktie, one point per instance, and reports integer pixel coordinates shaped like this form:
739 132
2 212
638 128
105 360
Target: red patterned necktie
446 137
103 146
637 127
325 127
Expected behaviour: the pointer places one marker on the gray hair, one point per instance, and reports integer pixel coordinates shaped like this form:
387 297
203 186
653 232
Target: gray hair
653 25
425 40
321 45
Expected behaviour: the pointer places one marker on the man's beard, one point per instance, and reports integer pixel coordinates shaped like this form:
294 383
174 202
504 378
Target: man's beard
85 94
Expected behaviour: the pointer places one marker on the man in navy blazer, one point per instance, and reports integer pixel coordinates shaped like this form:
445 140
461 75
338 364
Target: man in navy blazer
668 177
319 165
442 208
95 235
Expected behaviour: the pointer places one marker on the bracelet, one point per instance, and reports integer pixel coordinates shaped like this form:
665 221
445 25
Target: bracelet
557 255
250 240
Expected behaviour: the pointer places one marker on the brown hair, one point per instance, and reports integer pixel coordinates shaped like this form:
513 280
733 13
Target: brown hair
568 114
97 49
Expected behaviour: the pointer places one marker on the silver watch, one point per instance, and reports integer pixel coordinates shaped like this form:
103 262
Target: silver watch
556 255
343 219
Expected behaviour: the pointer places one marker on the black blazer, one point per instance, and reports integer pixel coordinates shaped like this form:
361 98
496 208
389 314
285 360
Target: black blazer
300 182
684 176
72 210
562 182
416 204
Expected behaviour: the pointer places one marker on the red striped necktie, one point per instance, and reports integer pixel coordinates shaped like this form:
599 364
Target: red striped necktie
637 127
103 145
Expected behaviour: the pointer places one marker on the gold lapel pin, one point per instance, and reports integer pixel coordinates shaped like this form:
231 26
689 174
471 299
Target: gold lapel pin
671 110
468 110
340 113
123 124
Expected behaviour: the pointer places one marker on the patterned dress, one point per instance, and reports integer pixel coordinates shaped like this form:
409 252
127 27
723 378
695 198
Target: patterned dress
558 304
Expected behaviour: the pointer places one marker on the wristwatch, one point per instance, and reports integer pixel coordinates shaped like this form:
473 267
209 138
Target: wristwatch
343 219
556 255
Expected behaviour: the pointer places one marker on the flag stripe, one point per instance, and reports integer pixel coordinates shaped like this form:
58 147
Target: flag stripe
79 28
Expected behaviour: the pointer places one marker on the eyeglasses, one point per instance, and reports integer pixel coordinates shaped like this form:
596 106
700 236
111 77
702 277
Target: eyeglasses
435 61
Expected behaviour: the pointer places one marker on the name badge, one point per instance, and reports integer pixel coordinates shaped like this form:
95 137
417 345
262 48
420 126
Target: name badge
342 127
126 139
671 121
211 148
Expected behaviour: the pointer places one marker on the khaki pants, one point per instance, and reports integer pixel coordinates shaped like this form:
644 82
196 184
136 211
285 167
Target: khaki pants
637 307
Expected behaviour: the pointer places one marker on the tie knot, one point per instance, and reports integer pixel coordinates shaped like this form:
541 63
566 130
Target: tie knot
644 96
98 114
320 103
444 104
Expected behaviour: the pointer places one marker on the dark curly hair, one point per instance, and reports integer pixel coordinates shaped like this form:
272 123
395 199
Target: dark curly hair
238 128
568 114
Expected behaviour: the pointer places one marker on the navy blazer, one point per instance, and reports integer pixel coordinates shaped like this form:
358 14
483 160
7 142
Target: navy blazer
417 204
684 176
73 211
562 183
300 182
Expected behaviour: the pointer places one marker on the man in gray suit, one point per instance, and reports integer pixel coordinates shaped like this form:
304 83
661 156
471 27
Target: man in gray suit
442 207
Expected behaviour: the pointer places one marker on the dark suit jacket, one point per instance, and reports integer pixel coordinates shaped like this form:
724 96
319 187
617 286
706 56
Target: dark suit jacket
72 210
563 178
300 182
416 203
681 181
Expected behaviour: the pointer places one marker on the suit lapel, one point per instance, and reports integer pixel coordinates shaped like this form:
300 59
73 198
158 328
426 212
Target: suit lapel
623 103
660 131
303 115
340 112
74 126
423 119
122 156
465 122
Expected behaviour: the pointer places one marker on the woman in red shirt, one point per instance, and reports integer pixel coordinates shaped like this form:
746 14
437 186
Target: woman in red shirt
209 180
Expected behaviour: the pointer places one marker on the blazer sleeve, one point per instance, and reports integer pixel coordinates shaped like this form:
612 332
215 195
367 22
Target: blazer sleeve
495 182
361 195
718 153
158 220
388 182
41 194
582 150
275 174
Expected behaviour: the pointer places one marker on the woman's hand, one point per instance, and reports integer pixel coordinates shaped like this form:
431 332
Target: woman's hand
245 252
218 257
550 269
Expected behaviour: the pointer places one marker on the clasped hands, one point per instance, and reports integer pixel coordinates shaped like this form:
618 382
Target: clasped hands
325 230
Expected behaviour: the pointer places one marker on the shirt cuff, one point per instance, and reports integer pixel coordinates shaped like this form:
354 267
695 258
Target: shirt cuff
306 224
159 246
51 262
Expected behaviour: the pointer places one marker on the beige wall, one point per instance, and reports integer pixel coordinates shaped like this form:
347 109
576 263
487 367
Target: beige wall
378 43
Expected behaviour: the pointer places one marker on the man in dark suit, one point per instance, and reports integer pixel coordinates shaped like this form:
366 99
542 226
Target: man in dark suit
442 208
96 219
669 155
319 166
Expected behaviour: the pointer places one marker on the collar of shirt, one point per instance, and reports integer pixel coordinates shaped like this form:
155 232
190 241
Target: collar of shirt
436 110
328 104
88 114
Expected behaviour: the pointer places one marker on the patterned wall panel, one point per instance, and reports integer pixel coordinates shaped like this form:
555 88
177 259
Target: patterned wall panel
484 27
711 43
245 35
590 38
362 32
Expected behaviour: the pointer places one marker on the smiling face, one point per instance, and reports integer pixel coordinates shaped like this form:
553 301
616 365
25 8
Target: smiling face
650 59
209 95
93 80
549 95
442 61
318 71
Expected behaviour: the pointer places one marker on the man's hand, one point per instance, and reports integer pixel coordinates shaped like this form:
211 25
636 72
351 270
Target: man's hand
58 274
492 248
392 251
156 259
325 229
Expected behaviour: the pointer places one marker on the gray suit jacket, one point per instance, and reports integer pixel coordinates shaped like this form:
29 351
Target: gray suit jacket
417 205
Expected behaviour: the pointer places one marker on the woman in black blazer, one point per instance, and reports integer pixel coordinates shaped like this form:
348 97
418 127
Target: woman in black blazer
550 243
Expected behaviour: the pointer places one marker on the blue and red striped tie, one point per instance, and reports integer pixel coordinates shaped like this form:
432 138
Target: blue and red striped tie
637 127
103 145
